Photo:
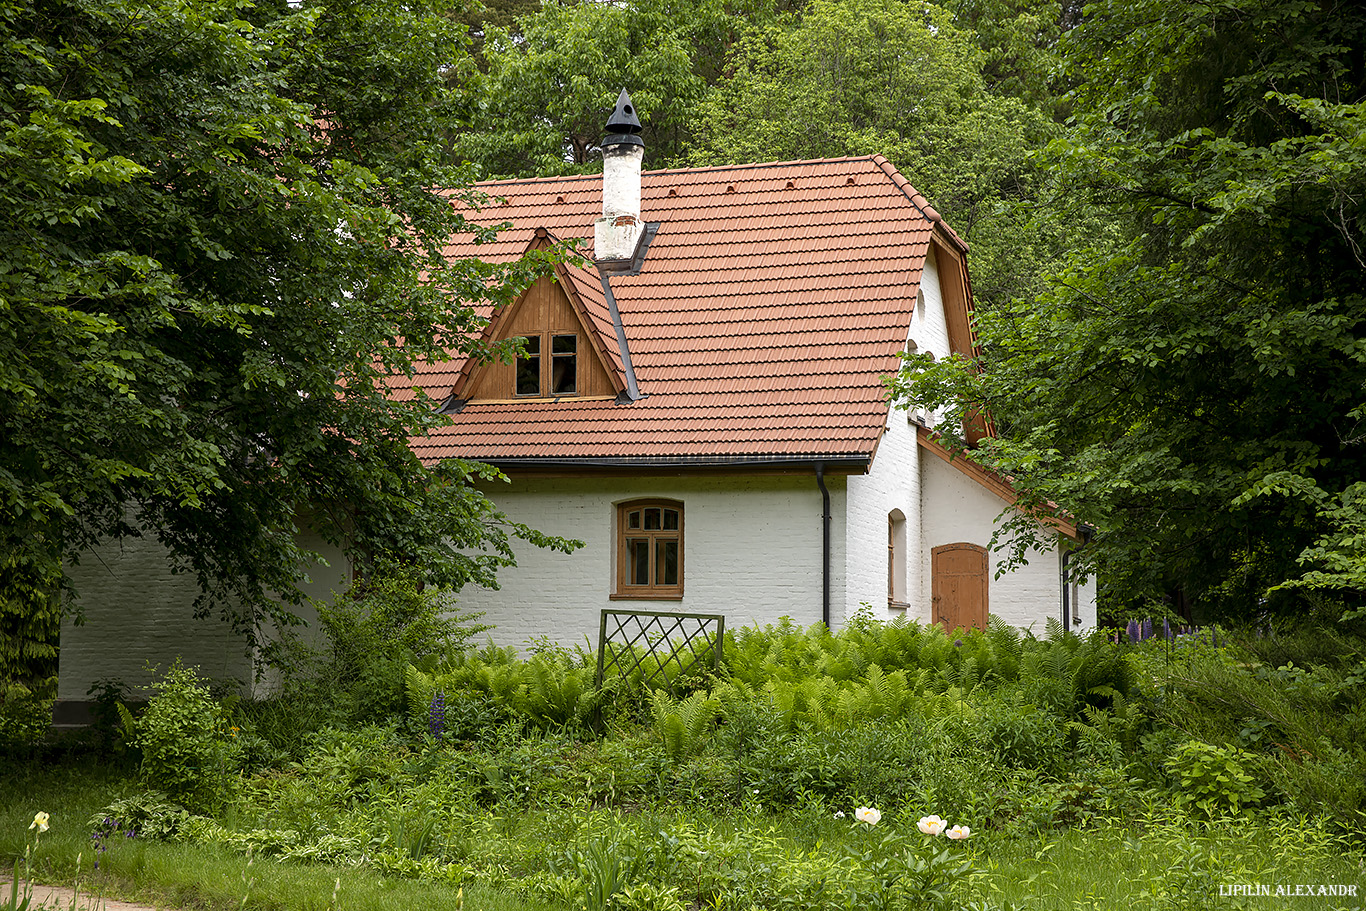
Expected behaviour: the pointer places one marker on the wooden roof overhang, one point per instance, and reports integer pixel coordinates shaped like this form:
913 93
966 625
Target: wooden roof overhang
990 480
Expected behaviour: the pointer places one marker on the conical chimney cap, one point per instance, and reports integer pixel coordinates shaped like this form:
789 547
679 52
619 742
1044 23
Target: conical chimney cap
624 119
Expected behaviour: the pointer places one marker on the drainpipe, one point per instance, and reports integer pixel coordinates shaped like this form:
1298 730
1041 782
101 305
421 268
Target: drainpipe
825 544
1066 591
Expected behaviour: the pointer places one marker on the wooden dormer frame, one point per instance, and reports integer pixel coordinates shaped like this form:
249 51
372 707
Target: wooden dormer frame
472 372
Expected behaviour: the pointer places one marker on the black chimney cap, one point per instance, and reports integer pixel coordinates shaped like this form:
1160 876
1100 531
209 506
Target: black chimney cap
624 119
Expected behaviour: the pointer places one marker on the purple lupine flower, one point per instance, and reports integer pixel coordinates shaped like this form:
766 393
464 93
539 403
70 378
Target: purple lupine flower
1133 631
1148 628
1166 629
437 719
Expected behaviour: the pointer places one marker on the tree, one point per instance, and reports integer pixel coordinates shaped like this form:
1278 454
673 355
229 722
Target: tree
879 76
222 250
553 80
1198 395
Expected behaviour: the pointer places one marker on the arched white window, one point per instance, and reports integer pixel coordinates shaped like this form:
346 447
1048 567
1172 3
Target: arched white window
896 560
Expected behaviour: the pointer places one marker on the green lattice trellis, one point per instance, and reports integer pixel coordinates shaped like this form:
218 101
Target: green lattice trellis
664 637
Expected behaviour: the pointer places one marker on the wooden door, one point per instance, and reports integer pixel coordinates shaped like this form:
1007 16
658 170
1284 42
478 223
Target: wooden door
959 586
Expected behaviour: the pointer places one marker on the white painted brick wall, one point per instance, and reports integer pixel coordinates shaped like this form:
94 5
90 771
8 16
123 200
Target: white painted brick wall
956 509
929 328
139 617
893 482
751 551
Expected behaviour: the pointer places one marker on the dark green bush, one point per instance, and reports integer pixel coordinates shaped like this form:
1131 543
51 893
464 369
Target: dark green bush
25 715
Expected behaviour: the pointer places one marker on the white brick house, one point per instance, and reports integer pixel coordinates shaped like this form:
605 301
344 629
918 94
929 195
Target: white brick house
702 406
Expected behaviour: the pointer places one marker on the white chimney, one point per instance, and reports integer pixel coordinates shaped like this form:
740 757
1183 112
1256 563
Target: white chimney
617 233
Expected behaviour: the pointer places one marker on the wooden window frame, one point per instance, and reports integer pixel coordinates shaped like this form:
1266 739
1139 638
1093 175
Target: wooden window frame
652 591
896 562
546 355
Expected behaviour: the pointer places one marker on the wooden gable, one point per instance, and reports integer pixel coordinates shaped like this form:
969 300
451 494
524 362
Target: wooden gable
544 310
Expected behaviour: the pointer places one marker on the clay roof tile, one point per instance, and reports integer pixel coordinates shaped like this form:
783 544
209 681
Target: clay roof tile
759 326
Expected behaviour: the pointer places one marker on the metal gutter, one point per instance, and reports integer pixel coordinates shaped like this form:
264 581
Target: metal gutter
844 464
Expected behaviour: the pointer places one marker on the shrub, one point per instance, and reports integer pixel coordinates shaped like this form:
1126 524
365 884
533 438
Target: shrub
25 714
1212 778
187 749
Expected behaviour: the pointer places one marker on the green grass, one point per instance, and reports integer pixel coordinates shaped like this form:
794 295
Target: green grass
1085 770
192 876
1157 860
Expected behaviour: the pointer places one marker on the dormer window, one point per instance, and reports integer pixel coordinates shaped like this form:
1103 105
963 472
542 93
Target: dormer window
562 353
555 375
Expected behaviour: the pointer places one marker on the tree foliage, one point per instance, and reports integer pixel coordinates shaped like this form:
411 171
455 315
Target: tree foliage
861 77
222 237
551 85
1198 393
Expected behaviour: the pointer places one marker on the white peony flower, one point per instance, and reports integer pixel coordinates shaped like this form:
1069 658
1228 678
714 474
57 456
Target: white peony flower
958 833
931 825
870 815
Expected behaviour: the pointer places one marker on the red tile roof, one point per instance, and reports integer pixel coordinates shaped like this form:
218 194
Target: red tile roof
770 303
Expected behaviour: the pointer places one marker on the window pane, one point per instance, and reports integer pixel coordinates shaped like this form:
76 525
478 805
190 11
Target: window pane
671 520
652 519
564 378
564 344
529 367
638 555
633 519
666 566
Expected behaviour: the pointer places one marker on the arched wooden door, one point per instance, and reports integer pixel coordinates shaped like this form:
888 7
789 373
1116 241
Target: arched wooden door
959 586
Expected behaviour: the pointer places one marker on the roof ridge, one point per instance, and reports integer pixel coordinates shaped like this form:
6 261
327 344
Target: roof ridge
758 165
597 175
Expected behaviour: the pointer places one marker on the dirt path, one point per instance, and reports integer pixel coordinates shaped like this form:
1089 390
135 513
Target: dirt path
59 898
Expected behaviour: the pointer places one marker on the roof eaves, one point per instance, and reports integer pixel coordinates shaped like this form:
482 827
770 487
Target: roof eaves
843 463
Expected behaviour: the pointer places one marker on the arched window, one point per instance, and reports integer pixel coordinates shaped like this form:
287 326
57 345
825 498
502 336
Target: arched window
650 550
896 560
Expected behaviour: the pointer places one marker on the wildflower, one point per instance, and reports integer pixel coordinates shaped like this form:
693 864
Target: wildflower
958 643
39 822
958 833
931 825
839 814
437 716
869 815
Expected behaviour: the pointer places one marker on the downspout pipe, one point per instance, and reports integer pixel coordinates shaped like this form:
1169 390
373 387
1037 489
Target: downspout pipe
825 544
1066 591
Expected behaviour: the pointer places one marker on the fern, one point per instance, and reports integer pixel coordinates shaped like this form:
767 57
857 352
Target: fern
417 692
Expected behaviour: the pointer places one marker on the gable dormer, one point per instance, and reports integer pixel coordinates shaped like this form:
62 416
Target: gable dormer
569 348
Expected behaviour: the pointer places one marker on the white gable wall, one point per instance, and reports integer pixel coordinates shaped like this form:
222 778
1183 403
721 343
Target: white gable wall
894 483
751 551
138 618
956 509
